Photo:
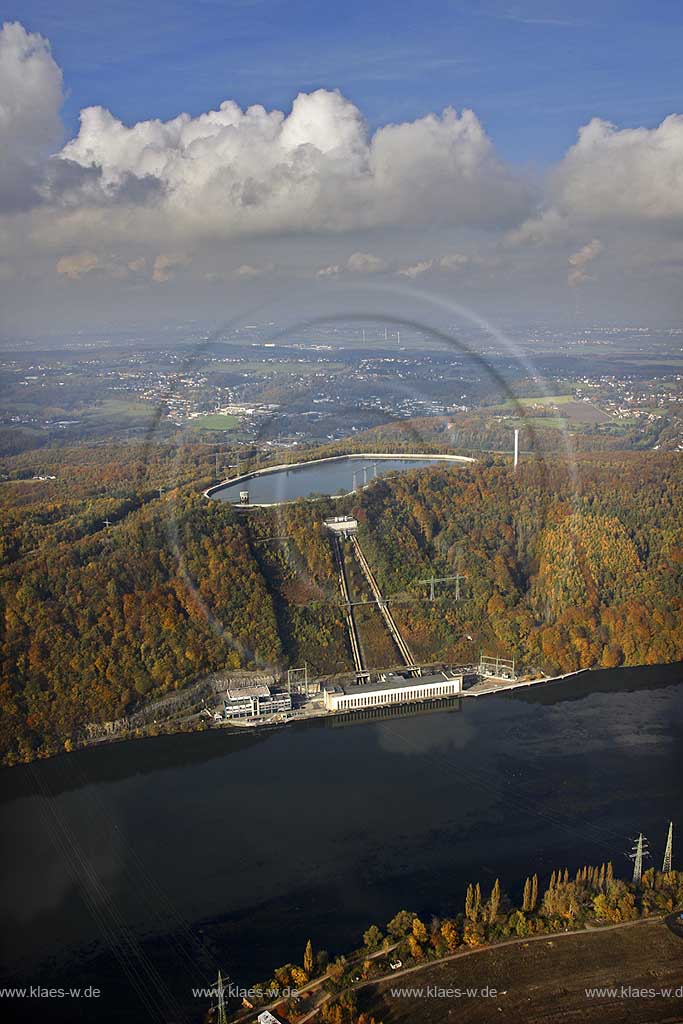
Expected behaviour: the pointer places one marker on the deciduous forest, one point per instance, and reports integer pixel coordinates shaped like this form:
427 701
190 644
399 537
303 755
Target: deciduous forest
120 582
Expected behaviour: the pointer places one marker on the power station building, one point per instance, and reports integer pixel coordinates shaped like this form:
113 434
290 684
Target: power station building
253 701
392 689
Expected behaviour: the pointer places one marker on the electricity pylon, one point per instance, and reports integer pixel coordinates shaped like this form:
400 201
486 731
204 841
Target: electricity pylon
666 866
433 580
639 850
222 1015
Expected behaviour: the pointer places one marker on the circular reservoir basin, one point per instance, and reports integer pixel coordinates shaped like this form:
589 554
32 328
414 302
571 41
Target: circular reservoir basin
331 477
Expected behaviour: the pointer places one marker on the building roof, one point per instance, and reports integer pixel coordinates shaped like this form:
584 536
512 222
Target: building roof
392 681
239 693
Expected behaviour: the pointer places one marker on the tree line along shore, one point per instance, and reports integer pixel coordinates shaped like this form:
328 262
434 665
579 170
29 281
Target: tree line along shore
591 898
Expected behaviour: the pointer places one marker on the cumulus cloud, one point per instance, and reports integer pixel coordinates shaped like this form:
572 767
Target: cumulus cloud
629 178
166 264
30 100
333 270
451 263
247 270
231 171
416 269
633 174
454 261
138 265
75 266
365 263
199 185
578 262
357 263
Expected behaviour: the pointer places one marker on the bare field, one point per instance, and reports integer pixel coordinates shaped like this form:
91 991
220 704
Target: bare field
544 982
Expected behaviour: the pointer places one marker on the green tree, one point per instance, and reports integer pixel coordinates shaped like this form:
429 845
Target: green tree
401 924
372 938
494 902
308 958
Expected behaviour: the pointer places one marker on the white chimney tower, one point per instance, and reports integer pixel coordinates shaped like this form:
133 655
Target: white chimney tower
516 460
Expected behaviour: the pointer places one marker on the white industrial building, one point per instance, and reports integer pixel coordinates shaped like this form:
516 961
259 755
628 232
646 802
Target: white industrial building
342 525
392 689
252 701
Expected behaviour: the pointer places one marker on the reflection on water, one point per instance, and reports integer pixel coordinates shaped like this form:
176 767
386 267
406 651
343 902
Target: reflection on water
233 849
335 476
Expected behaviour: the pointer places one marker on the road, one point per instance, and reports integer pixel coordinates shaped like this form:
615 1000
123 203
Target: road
474 951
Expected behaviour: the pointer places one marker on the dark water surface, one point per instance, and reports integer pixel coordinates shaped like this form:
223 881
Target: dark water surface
140 867
330 477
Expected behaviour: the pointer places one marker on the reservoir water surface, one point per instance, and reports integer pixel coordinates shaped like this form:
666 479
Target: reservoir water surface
141 867
322 477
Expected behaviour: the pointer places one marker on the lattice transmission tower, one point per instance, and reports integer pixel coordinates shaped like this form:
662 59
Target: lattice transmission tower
666 865
639 851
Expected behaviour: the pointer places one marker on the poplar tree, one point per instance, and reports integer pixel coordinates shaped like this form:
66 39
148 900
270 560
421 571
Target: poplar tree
526 899
534 893
477 901
494 902
308 958
469 903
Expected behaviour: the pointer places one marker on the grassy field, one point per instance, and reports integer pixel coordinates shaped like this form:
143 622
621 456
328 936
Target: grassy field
118 408
572 411
545 982
544 400
216 421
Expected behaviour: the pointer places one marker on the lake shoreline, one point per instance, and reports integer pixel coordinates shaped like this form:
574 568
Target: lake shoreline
233 728
210 492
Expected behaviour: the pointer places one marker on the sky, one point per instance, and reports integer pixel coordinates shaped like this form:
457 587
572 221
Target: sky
160 158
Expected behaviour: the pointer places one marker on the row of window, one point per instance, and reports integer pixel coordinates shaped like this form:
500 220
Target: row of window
371 699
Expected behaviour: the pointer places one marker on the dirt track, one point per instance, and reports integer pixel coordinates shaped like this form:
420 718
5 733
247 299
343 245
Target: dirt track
545 982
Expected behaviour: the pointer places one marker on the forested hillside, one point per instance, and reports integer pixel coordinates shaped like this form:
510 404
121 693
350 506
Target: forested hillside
564 570
113 592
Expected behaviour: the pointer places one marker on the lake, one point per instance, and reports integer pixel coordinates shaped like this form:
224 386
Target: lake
323 477
141 867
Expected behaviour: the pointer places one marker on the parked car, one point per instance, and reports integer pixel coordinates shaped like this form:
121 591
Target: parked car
395 964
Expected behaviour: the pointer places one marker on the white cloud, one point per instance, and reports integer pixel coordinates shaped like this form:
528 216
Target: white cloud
231 172
166 264
454 261
451 263
199 185
30 99
416 269
138 265
578 262
365 263
620 179
247 270
633 174
333 270
75 266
